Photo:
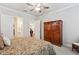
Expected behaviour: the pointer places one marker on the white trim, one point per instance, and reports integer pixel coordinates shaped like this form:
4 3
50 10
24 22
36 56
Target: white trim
62 9
15 10
59 10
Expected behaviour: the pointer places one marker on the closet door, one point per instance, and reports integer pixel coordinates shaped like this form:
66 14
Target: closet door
47 31
7 25
55 32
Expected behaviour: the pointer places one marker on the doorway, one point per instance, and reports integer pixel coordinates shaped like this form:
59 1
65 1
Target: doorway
18 27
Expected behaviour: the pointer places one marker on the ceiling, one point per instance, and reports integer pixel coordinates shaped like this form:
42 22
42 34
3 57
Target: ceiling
23 7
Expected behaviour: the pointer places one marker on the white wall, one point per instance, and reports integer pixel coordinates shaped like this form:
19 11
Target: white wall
37 29
26 17
35 26
26 24
70 19
7 26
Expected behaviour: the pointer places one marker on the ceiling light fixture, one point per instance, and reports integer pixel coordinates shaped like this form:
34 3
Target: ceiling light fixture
38 7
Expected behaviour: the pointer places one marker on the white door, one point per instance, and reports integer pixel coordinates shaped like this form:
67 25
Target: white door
18 22
7 25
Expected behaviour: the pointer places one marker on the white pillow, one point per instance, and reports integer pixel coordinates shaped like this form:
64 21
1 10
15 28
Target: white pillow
7 41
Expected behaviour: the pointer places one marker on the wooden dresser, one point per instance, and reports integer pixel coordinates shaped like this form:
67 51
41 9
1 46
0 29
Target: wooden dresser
53 32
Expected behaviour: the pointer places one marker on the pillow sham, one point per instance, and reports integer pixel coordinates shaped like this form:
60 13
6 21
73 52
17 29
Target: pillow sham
7 41
1 43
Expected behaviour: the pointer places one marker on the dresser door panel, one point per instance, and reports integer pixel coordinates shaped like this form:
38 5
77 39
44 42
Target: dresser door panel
53 32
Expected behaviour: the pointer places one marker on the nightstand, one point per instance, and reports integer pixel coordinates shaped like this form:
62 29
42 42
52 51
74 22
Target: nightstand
75 46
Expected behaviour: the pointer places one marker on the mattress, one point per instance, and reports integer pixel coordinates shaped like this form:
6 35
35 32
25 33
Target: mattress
28 46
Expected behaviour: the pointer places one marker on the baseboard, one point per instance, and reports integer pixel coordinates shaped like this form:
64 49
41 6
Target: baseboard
67 45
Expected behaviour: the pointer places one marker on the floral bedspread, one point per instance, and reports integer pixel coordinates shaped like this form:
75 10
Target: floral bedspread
28 46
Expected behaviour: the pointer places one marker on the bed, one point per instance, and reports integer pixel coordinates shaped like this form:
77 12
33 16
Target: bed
28 46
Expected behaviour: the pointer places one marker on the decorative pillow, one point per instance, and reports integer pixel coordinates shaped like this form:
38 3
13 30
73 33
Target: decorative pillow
7 41
1 43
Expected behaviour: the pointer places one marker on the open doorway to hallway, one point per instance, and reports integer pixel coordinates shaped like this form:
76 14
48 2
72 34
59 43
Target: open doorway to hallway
18 27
